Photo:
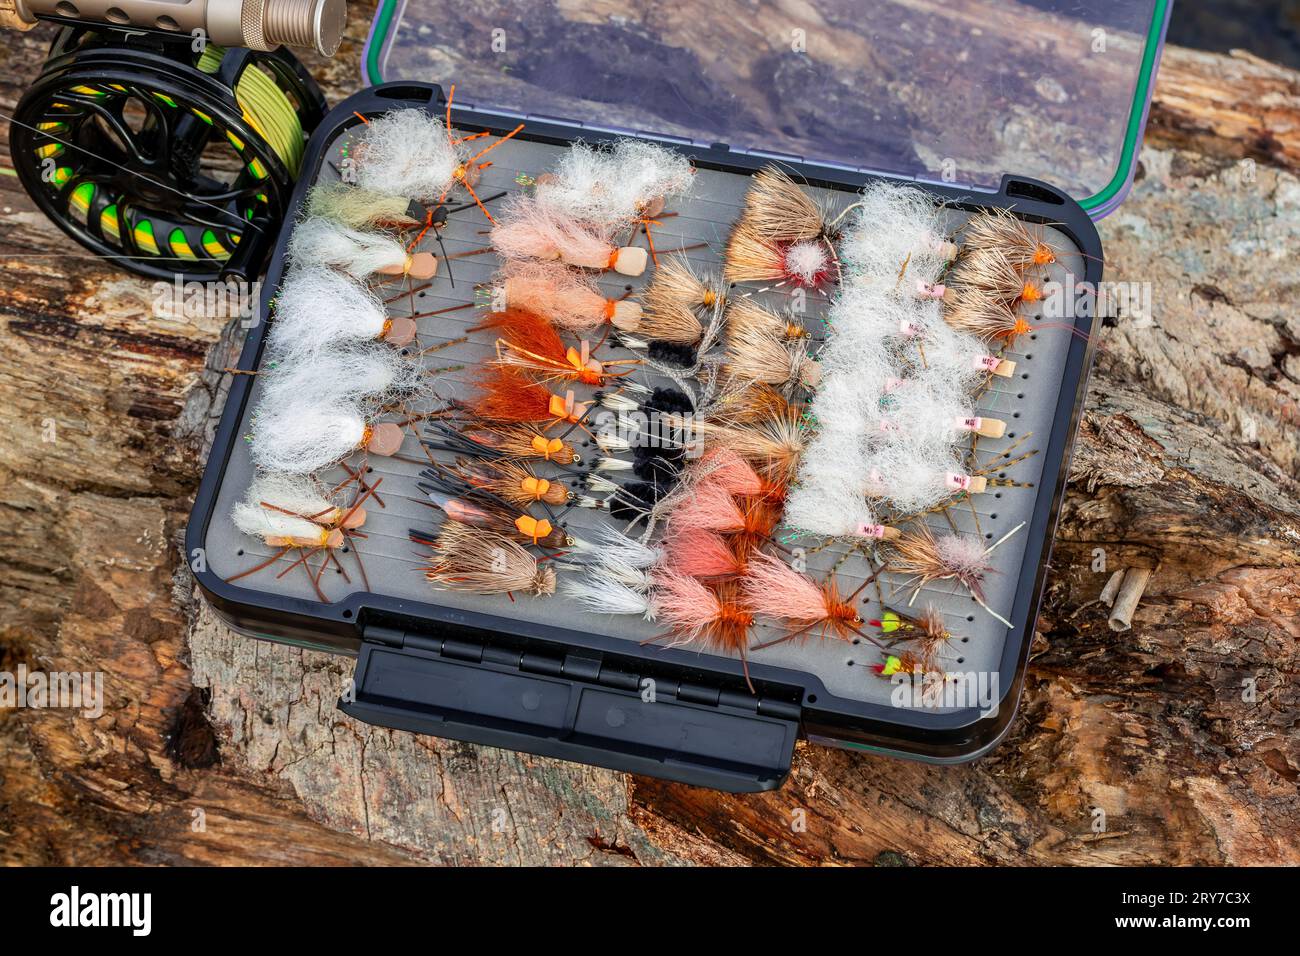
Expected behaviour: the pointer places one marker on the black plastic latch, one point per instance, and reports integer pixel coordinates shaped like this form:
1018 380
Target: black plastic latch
572 712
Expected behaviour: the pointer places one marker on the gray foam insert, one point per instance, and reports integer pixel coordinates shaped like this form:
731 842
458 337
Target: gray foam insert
1026 401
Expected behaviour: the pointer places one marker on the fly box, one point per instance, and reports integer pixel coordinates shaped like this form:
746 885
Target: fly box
846 636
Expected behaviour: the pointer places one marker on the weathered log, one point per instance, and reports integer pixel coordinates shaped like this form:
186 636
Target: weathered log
1173 742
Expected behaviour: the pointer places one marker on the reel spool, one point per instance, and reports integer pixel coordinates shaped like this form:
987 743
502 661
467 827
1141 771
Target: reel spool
165 160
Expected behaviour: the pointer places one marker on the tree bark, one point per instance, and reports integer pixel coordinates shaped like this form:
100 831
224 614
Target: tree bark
1178 734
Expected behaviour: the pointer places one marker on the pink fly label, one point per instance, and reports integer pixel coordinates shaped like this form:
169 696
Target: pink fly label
958 482
909 328
871 530
988 363
970 424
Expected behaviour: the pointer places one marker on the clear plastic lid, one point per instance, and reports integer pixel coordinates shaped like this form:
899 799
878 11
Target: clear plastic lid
954 91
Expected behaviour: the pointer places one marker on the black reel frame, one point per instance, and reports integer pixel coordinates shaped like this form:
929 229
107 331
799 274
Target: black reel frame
160 177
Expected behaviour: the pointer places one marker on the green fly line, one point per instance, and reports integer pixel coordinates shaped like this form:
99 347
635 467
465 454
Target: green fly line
265 107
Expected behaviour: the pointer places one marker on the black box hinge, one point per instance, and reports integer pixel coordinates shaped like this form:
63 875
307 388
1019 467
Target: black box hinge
571 707
392 636
584 667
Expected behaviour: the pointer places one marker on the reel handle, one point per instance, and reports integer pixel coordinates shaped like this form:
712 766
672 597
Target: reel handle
245 263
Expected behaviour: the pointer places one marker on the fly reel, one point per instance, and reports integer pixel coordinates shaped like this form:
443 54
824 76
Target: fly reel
167 160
